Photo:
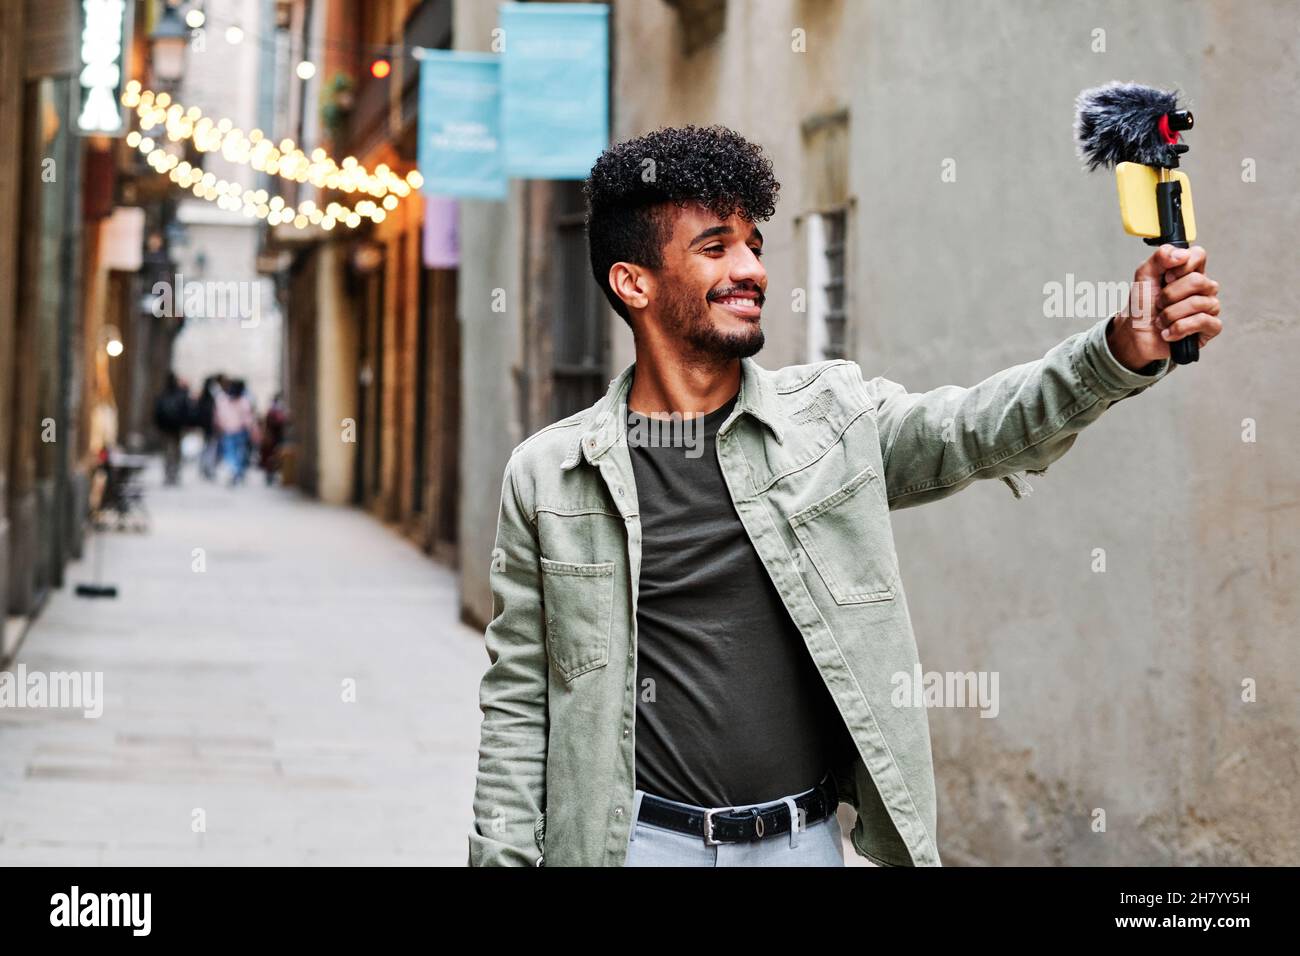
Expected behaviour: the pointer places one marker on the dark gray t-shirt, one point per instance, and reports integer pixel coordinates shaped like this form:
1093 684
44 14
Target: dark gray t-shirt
730 707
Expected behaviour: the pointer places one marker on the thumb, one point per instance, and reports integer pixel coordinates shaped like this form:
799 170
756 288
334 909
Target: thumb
1163 259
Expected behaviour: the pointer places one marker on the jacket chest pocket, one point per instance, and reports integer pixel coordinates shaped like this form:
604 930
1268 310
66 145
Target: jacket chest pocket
579 603
847 537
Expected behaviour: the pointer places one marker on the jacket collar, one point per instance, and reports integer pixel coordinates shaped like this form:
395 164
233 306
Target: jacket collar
606 421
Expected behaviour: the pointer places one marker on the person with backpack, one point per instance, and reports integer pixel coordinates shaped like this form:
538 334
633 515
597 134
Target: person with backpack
172 416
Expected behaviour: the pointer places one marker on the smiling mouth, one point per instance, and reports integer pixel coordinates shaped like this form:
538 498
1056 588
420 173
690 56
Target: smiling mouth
744 306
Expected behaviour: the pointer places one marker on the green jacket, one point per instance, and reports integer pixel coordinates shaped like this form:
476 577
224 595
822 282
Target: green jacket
815 457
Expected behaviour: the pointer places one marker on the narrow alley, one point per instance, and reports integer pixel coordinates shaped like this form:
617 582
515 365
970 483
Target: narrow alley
353 270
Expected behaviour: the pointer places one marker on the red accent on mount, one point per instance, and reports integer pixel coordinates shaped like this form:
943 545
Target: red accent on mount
1170 136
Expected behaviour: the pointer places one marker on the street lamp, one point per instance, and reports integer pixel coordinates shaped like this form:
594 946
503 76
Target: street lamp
167 47
111 339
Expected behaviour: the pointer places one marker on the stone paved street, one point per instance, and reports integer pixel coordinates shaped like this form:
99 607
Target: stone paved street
223 691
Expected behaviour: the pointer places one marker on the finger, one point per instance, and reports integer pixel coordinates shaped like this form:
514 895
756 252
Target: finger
1202 324
1194 283
1195 262
1190 306
1165 258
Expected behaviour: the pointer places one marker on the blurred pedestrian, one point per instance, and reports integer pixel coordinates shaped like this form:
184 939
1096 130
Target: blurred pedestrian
205 419
237 425
171 413
274 427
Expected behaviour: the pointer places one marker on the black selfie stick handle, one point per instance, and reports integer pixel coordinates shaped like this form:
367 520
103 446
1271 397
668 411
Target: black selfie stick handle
1169 205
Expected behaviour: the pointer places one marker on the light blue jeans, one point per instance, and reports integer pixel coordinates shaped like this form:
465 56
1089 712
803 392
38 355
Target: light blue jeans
234 449
819 845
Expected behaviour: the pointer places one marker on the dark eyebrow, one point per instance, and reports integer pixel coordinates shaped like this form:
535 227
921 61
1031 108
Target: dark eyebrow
711 232
721 231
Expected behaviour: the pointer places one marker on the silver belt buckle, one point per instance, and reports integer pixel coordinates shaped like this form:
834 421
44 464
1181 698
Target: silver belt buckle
708 829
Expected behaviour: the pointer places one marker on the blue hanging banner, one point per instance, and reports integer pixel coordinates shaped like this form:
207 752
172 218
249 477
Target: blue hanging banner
459 150
555 88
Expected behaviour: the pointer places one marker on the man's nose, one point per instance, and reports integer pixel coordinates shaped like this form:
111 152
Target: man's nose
747 267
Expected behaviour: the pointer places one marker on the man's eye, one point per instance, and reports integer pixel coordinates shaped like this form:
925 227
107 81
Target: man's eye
715 249
756 251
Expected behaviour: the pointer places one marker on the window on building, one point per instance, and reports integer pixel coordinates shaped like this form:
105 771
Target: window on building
579 370
827 291
701 22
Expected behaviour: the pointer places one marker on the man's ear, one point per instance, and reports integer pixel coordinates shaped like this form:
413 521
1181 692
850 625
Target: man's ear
631 283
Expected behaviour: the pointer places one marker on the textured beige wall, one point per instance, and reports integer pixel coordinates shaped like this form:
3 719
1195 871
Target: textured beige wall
1120 690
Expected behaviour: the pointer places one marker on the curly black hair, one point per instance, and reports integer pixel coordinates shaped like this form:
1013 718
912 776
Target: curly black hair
630 182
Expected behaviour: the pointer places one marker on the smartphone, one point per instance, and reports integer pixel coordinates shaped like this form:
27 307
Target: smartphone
1137 200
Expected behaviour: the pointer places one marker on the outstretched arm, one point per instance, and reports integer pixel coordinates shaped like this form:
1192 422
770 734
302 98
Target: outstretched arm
935 443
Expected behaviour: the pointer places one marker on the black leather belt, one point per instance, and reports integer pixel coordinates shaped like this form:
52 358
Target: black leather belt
725 825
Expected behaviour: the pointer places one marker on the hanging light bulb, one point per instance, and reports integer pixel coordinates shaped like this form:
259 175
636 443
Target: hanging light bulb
234 34
306 70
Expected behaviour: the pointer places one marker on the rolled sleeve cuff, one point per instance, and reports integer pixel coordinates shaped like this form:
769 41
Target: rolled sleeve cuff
1104 373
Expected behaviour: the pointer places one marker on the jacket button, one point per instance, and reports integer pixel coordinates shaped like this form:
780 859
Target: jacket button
618 811
625 733
620 492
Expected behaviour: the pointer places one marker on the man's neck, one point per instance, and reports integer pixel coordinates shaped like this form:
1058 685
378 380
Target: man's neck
667 383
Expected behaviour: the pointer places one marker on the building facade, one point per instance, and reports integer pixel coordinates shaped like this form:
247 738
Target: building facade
59 193
374 369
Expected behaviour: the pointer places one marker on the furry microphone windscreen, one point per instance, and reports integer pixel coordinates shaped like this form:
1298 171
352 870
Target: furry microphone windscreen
1120 123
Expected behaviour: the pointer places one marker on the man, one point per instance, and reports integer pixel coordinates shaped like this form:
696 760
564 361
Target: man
691 655
171 415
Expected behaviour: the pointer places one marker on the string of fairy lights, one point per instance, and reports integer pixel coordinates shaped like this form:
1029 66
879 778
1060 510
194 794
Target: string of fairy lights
162 118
